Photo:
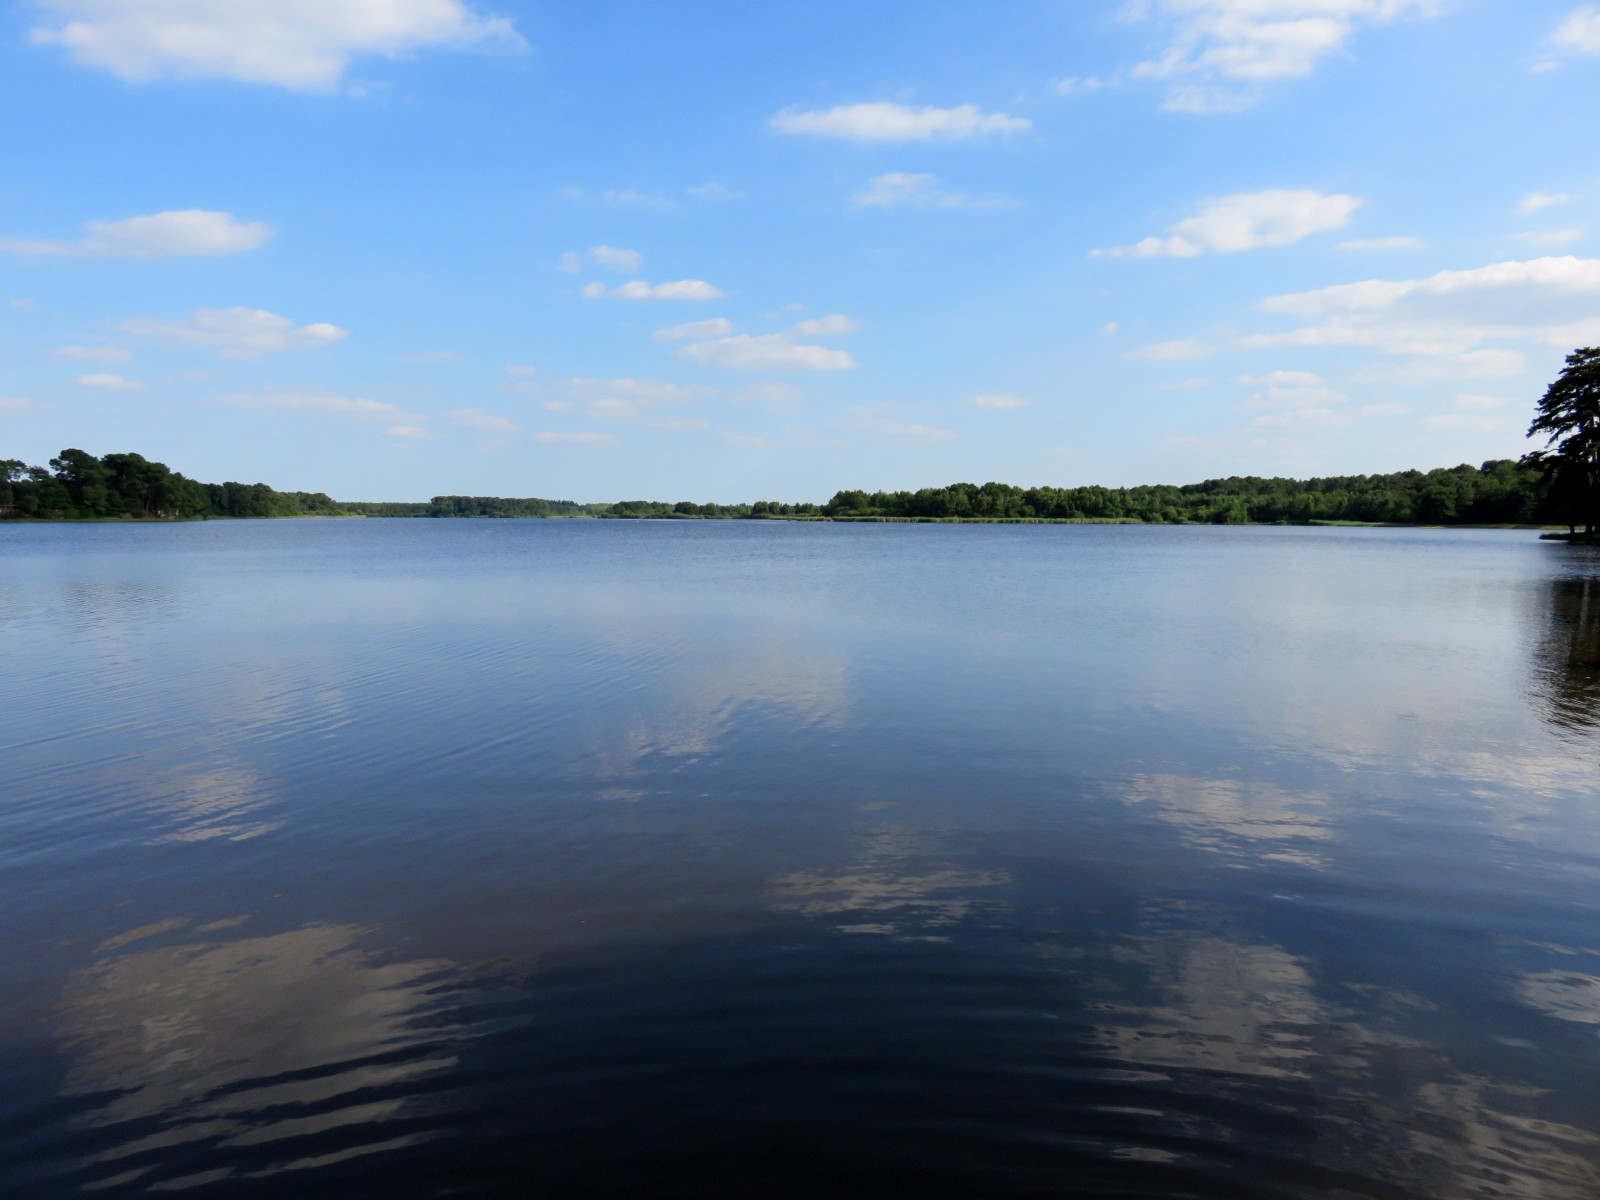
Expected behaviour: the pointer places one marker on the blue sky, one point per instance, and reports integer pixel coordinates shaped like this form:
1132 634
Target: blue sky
727 251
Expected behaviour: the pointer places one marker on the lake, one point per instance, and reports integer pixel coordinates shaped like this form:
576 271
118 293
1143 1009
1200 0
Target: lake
755 859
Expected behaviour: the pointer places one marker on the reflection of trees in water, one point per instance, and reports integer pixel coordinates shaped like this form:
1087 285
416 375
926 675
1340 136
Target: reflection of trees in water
1567 657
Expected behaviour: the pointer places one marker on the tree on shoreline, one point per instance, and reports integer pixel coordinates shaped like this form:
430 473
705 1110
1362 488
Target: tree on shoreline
1569 417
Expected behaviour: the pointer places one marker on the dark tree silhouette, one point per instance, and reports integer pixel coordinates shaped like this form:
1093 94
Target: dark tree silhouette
1569 417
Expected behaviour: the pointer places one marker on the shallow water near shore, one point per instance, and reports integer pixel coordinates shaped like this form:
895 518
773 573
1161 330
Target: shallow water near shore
426 858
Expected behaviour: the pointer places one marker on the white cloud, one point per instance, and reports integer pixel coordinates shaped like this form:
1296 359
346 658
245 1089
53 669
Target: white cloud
1186 385
312 401
616 258
828 326
576 439
1539 201
430 358
236 332
99 354
766 352
1382 243
887 122
477 418
14 403
999 401
186 233
1179 350
416 432
921 190
1282 397
110 383
1553 302
571 262
1281 379
1076 85
1550 239
1479 400
19 303
1581 31
714 191
520 369
1247 221
638 289
301 44
1220 53
694 331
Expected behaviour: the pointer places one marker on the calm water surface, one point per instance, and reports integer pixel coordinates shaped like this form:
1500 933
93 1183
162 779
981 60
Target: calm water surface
416 858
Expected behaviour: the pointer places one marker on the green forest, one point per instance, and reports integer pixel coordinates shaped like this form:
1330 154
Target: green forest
78 486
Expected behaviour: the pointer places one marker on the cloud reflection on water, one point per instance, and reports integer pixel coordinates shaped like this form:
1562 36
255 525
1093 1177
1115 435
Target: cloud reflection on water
246 1042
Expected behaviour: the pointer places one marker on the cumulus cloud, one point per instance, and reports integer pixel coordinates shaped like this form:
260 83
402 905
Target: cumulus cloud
1581 31
1219 54
616 259
828 326
99 354
300 44
999 401
888 122
694 331
477 418
1539 201
1247 221
185 233
1382 243
110 383
918 189
766 352
236 332
638 289
1553 302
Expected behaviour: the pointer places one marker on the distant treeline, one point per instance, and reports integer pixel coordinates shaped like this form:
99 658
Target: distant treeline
1500 492
79 486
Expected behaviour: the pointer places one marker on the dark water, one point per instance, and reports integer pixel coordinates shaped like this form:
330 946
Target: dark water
424 858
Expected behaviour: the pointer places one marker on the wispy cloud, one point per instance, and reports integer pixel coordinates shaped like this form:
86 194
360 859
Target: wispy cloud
109 383
694 331
638 289
187 233
236 332
1539 201
305 46
898 189
1580 31
484 422
98 354
766 352
1247 221
888 122
999 401
1220 55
